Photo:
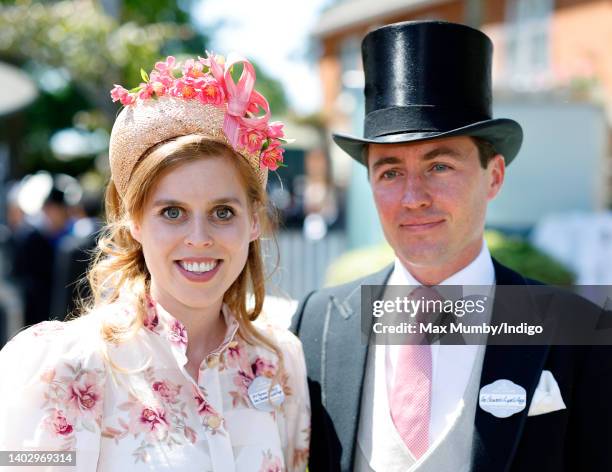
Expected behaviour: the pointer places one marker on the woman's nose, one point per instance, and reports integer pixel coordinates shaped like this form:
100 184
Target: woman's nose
199 234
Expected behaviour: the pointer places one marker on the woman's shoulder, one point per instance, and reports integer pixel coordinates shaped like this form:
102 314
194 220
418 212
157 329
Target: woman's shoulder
55 334
274 322
54 375
76 340
285 341
279 334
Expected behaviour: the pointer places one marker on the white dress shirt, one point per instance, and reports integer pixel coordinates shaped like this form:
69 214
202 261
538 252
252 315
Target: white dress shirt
451 365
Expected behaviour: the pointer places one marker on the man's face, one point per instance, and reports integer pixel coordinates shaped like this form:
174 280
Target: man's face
432 198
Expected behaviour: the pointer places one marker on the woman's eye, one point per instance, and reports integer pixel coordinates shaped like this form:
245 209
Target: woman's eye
223 213
172 213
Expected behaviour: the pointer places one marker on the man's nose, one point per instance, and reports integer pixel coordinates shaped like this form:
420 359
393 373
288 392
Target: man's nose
199 234
416 193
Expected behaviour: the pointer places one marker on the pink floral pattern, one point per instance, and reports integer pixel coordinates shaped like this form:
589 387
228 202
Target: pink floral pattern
178 333
57 423
140 416
151 320
166 390
210 418
72 401
271 463
83 393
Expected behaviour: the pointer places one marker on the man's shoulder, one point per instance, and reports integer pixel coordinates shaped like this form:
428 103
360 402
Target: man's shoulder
315 303
347 290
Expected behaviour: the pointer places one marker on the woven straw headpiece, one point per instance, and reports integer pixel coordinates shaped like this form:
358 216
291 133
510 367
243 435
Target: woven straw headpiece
204 101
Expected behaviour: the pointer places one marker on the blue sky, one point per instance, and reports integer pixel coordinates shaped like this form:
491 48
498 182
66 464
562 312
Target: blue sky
274 33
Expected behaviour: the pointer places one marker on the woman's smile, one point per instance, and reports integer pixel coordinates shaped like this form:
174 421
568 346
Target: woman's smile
195 271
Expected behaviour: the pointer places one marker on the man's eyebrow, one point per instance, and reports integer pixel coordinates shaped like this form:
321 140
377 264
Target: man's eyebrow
442 151
428 156
383 161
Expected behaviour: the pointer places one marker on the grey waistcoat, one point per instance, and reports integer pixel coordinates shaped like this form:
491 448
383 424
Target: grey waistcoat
384 450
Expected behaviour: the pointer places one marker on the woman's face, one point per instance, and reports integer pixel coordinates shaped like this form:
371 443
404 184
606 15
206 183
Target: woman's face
195 232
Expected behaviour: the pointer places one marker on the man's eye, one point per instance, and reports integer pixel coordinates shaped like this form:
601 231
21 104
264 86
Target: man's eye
440 167
172 213
389 174
223 213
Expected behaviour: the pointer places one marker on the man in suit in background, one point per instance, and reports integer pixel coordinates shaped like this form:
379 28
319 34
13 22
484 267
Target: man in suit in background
435 158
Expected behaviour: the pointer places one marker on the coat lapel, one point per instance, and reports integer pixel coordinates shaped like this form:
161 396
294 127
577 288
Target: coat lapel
496 439
344 361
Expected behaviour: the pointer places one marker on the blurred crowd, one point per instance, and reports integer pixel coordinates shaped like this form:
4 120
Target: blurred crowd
50 232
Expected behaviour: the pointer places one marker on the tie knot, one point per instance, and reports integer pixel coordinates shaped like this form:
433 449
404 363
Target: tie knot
429 303
426 293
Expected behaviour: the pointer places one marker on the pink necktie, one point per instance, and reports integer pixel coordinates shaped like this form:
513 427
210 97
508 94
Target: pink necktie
409 398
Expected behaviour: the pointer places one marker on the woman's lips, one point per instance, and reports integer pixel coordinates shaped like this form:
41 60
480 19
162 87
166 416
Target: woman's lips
198 276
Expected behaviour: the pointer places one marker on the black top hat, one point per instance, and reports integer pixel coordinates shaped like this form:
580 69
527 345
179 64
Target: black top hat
427 80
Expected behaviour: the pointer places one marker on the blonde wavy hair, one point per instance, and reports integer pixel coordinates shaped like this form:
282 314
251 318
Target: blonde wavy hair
119 262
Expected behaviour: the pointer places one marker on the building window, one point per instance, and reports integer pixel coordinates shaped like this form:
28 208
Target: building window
528 43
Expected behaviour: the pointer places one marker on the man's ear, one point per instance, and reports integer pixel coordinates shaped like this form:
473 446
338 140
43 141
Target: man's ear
255 226
135 230
497 172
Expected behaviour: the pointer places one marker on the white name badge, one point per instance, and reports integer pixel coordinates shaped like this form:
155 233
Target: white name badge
502 398
262 397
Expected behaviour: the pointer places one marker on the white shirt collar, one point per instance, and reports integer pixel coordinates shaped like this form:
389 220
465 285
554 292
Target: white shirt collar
478 272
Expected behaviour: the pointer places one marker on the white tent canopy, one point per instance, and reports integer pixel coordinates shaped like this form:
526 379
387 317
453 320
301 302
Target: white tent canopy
17 90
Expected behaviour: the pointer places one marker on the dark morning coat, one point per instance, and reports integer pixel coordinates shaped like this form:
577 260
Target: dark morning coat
578 438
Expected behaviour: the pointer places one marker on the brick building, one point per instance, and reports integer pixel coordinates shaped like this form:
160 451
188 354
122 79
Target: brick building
543 46
552 71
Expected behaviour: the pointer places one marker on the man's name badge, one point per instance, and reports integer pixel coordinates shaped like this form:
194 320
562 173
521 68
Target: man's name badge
502 398
262 397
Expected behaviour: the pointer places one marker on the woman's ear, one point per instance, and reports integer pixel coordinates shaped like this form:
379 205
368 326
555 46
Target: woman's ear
135 230
255 226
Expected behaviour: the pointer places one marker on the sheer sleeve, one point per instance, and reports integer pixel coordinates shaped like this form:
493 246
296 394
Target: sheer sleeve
295 432
51 392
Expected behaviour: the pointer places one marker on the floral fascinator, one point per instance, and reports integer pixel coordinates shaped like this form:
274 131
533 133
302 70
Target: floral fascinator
198 96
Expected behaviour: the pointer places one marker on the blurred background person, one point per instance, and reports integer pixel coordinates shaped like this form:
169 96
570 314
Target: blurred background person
73 255
30 249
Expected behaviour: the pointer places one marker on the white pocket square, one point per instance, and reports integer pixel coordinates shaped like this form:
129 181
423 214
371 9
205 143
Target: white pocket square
547 396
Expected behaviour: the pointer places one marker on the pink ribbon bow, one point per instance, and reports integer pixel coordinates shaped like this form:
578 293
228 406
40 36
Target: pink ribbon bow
241 97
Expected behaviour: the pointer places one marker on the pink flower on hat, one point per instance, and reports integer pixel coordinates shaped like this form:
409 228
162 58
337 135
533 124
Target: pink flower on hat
118 93
211 92
161 82
272 158
275 130
251 139
246 124
192 68
146 91
166 67
184 87
215 63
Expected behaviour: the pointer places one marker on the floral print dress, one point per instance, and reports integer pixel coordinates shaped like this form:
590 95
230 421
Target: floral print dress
133 406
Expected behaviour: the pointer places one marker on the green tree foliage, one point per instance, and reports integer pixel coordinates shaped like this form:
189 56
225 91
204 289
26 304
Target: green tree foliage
90 46
78 37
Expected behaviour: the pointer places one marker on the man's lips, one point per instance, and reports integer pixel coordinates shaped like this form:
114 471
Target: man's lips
421 225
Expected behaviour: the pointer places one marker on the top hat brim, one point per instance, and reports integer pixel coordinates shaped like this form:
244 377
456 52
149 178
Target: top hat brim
504 134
